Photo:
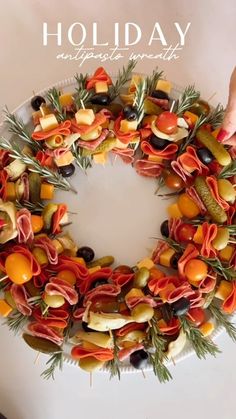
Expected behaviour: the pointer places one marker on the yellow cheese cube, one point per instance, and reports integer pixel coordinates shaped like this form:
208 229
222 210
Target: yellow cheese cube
155 158
100 158
47 191
48 122
58 246
164 293
5 309
66 99
127 126
101 87
166 256
84 117
127 99
65 159
80 260
134 292
191 116
94 269
226 253
136 79
224 290
164 85
207 328
174 211
145 263
121 145
10 191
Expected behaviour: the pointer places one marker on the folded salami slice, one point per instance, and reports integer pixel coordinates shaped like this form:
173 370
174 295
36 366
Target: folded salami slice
57 217
148 168
65 262
230 214
180 292
92 145
25 181
125 353
44 159
125 154
195 197
78 313
124 137
102 354
3 184
57 286
20 298
24 226
171 328
167 153
212 183
190 162
43 331
110 290
160 248
186 176
131 327
163 103
99 75
196 300
85 285
145 132
121 279
4 158
131 302
62 129
209 232
190 252
159 284
34 265
100 118
47 245
207 285
232 150
229 305
173 226
56 317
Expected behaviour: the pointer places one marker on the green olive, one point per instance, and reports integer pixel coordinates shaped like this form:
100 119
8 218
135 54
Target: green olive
54 301
142 313
90 364
226 190
141 278
221 239
104 261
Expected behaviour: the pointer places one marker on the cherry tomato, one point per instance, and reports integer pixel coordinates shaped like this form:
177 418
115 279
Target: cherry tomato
186 232
187 206
195 270
123 269
197 315
18 268
173 181
68 276
37 223
167 122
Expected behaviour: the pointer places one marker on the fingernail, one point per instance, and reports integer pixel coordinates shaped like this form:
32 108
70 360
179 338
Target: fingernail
222 135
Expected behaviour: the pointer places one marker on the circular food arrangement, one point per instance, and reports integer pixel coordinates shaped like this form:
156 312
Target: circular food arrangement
68 303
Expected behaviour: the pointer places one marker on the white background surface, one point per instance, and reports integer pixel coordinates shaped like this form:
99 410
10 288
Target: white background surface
200 388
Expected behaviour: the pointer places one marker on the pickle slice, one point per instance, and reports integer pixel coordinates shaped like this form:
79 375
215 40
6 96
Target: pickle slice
34 187
216 148
105 146
103 262
47 215
216 212
41 345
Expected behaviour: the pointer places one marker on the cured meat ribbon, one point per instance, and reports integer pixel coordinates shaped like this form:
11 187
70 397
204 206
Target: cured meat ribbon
57 286
47 245
62 129
20 298
209 232
99 75
24 226
101 354
43 331
167 153
85 285
100 118
148 168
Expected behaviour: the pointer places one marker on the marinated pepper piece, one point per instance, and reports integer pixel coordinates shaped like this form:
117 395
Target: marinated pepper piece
217 213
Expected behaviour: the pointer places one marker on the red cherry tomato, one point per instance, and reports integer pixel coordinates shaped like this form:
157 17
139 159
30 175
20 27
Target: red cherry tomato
167 122
197 315
186 233
173 181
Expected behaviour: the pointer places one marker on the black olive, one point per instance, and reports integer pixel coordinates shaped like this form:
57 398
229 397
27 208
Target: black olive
205 155
181 306
67 171
165 228
139 359
174 260
159 94
36 102
101 99
86 253
158 143
100 281
86 328
130 113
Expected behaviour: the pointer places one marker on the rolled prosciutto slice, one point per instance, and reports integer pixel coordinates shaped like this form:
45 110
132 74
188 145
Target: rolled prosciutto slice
20 297
125 154
47 245
43 331
148 168
57 286
109 290
24 226
167 153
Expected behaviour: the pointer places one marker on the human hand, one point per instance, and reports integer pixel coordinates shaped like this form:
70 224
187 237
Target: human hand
227 134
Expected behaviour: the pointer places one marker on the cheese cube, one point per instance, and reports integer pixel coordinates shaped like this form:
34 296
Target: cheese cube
174 211
65 159
101 87
164 86
134 292
5 309
166 291
224 290
121 145
100 158
48 122
166 256
66 99
226 253
84 117
145 263
127 126
136 79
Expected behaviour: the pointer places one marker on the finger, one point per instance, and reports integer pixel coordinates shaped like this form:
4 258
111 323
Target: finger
230 141
229 125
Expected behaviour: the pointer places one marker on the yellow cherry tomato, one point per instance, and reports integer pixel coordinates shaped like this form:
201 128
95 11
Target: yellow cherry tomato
54 301
37 223
67 276
187 206
195 270
18 268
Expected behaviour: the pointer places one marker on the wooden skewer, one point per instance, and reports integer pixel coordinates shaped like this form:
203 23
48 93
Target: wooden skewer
172 105
144 376
37 358
172 359
211 276
232 241
90 379
3 278
211 97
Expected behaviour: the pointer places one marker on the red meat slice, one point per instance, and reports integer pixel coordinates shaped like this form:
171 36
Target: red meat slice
43 331
20 298
57 286
24 226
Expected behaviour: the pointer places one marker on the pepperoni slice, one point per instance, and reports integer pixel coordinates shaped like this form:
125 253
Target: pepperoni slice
167 153
124 137
208 284
190 253
100 118
229 305
148 168
212 183
110 290
43 331
62 129
4 158
35 266
47 245
160 248
180 292
101 354
57 217
24 226
92 145
131 327
85 285
126 155
44 159
190 160
170 328
56 317
99 75
3 184
184 174
57 286
126 352
121 279
131 302
65 262
209 232
20 298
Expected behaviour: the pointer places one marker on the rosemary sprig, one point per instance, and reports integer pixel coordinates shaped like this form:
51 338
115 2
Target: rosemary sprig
201 345
139 97
160 184
200 121
215 117
222 319
226 271
84 162
17 127
158 357
113 365
123 76
53 96
187 98
37 207
16 322
82 95
54 362
228 171
152 80
34 166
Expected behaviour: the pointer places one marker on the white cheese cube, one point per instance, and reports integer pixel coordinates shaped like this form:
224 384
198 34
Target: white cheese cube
84 117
